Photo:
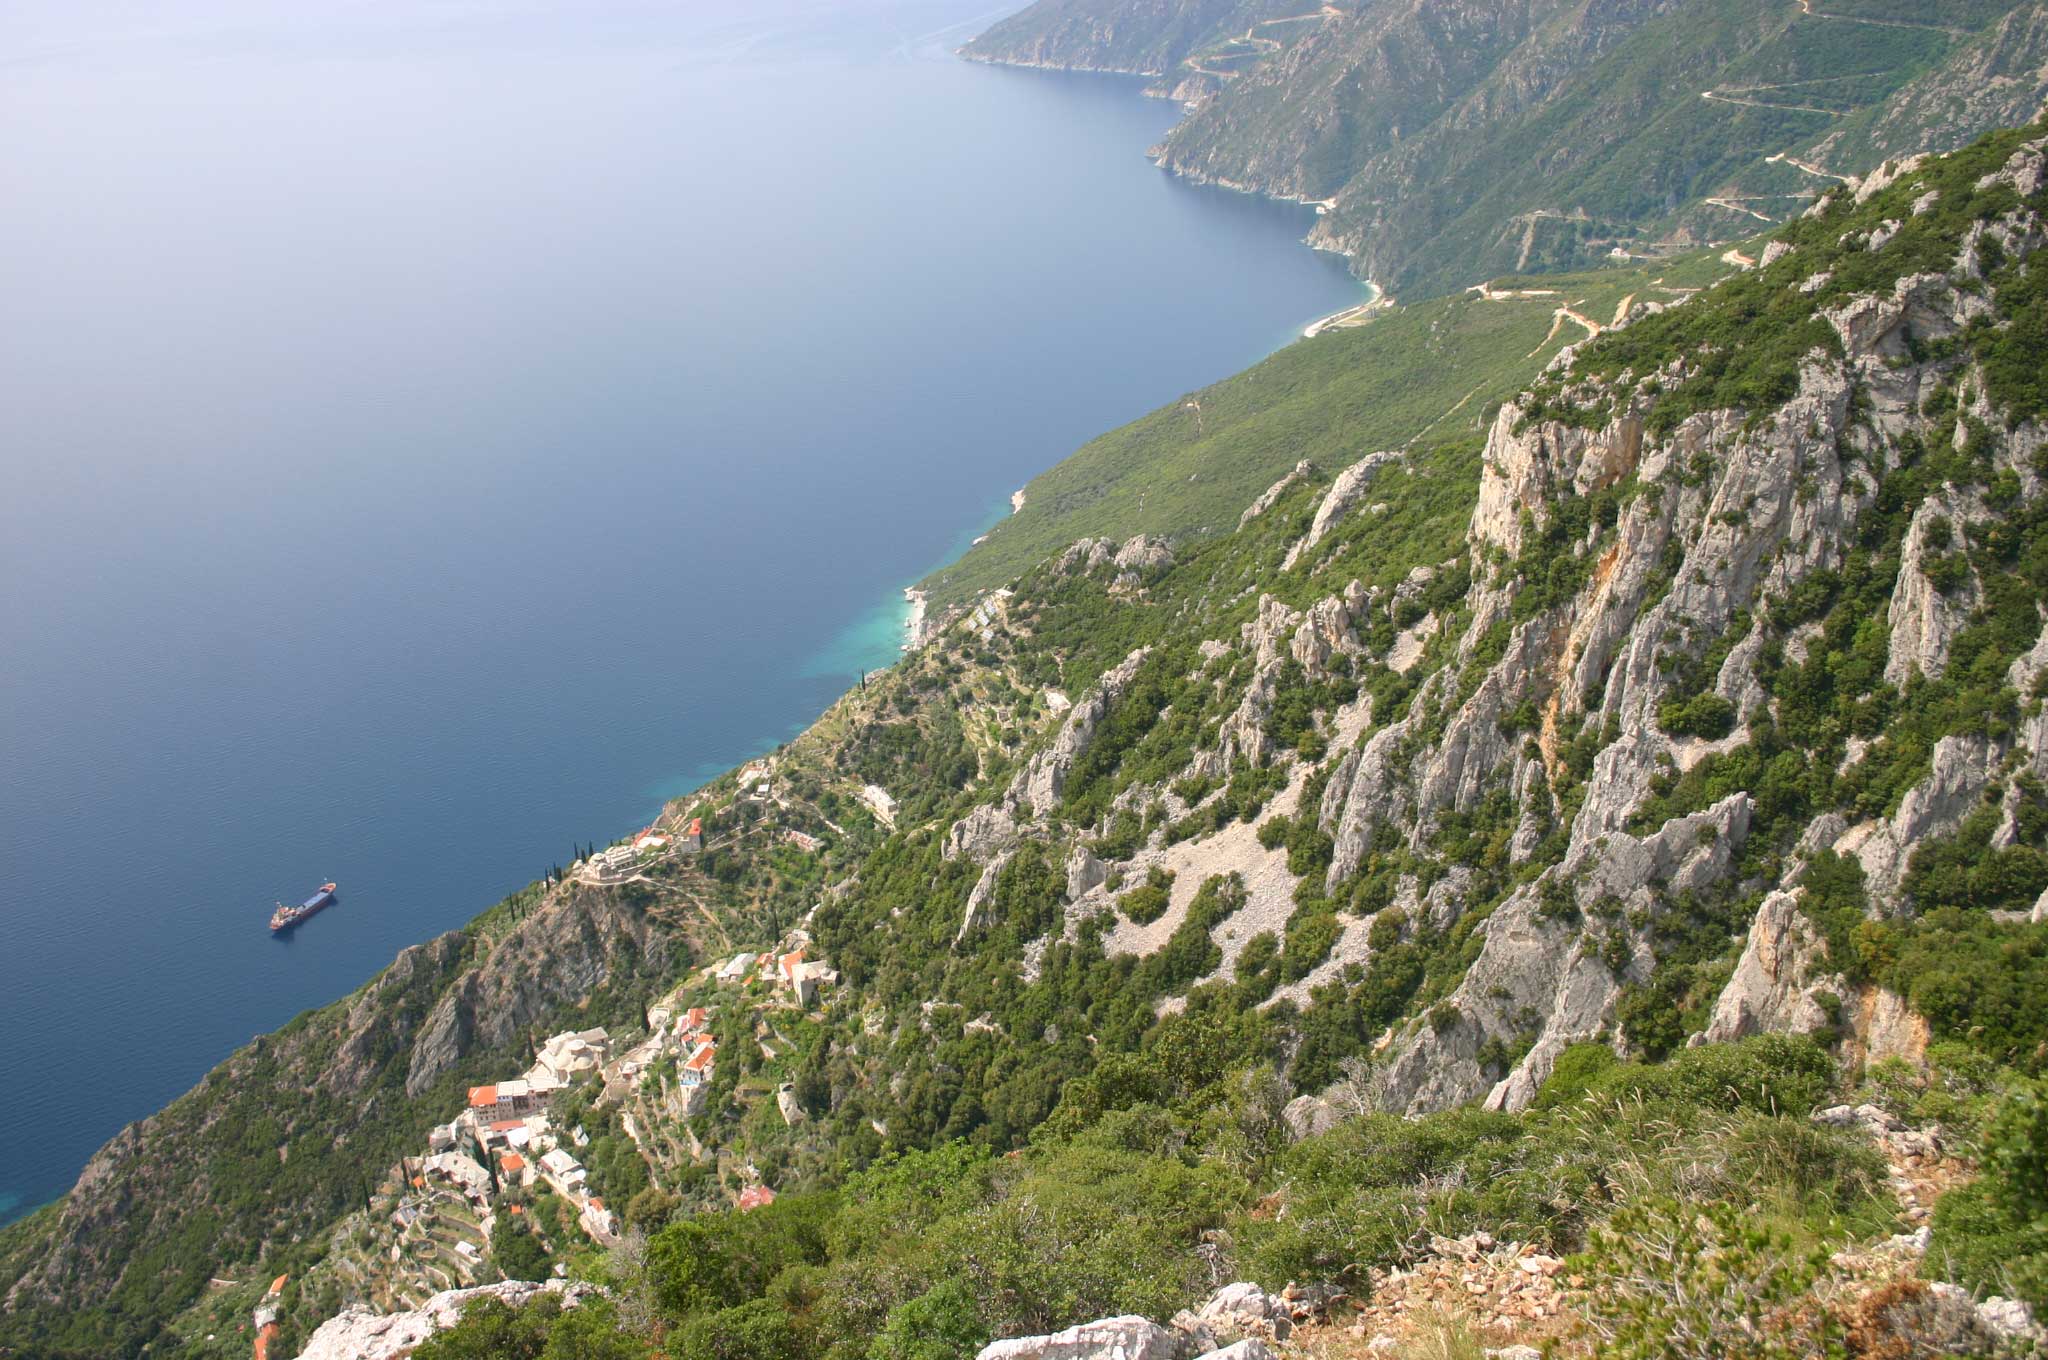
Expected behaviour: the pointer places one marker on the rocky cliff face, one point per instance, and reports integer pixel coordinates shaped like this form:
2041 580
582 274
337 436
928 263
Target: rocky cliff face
1452 140
1707 643
1725 650
1126 37
1729 519
290 1130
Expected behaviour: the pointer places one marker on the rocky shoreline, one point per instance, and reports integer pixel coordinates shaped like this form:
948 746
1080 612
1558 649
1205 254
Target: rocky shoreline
915 627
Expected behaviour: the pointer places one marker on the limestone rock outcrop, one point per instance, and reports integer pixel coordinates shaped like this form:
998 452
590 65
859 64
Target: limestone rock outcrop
358 1333
1775 987
1117 1338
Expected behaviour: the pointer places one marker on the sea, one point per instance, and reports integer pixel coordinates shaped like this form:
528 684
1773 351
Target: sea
433 434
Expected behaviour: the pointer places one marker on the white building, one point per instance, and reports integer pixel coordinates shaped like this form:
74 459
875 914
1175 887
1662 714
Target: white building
463 1170
571 1052
601 1223
563 1172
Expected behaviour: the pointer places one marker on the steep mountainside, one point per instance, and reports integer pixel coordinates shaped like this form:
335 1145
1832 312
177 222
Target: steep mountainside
292 1130
1412 377
1696 697
1986 81
1453 140
1133 37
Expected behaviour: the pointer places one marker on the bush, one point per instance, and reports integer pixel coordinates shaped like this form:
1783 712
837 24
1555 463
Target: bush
1683 1281
1773 1073
1704 715
1993 1234
938 1325
752 1331
542 1330
516 1251
1147 902
1573 1074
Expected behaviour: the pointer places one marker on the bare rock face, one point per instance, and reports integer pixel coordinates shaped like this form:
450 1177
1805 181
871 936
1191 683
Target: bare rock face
1141 556
1084 871
1348 490
1037 787
357 1333
1961 767
1924 619
1270 637
1775 986
1272 494
976 912
981 833
1117 1338
578 940
1085 555
1555 970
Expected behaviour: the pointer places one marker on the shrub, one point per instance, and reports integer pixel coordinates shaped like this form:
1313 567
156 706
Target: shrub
1704 715
1147 902
938 1325
1680 1281
1772 1073
1573 1074
758 1330
1993 1234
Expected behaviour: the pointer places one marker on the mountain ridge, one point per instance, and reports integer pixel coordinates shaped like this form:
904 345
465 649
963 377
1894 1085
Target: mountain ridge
1690 698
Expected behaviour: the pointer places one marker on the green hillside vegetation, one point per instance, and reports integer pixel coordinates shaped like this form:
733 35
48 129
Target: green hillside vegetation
1419 376
1013 1120
1459 141
1150 37
928 1255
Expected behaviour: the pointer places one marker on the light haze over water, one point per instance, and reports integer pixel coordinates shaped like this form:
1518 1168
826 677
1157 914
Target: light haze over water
431 433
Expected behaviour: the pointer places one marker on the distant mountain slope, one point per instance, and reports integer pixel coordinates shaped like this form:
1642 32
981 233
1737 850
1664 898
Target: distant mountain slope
2000 76
1695 694
1458 139
1136 37
1426 373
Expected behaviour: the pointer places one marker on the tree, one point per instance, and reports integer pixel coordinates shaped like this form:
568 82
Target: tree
938 1325
518 1253
753 1331
542 1330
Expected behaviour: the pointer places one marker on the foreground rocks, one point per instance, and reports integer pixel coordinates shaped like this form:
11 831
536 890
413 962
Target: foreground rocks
359 1334
1117 1338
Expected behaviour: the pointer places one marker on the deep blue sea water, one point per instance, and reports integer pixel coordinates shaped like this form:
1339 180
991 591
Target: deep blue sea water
431 433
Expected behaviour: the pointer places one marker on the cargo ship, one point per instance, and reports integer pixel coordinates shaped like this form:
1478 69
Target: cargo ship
284 918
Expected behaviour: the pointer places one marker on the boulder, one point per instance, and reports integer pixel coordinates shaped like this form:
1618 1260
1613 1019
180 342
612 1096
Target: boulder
1245 1310
1251 1348
357 1333
1117 1338
1308 1116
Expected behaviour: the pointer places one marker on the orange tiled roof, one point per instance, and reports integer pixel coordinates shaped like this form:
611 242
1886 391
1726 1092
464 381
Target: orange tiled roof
480 1096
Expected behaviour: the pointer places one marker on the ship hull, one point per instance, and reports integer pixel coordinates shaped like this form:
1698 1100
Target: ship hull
284 918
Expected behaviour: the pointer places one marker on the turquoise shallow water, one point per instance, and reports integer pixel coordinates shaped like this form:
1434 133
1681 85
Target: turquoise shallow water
435 433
